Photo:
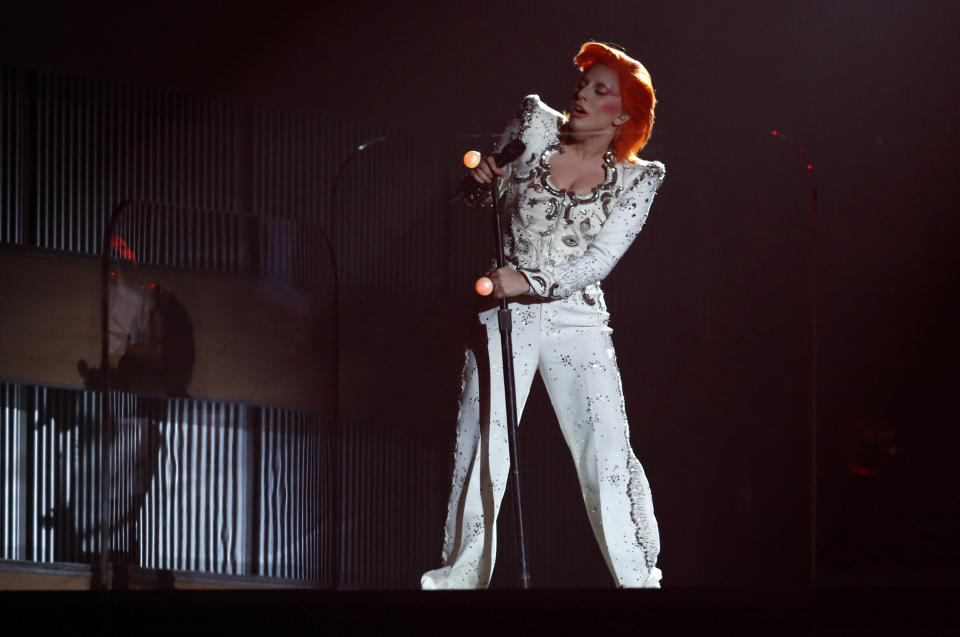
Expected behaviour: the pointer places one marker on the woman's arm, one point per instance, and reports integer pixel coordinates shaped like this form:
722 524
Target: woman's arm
515 129
618 232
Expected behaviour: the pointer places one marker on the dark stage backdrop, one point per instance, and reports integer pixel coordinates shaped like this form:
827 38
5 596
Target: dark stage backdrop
251 110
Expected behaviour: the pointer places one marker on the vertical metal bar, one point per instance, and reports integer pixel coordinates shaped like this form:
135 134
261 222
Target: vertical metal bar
7 424
69 163
270 492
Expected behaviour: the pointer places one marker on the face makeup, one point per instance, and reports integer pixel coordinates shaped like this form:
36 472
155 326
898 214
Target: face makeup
596 99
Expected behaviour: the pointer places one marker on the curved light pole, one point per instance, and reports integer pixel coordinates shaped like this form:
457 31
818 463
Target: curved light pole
814 336
330 238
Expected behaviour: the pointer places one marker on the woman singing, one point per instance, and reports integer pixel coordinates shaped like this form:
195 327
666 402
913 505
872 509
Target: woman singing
576 200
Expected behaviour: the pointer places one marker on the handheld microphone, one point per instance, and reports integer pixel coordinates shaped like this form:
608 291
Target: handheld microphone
469 185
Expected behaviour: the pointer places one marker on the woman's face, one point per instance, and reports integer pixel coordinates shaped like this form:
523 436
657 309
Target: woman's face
596 102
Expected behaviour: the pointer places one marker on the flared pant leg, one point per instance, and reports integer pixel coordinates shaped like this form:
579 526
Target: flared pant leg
579 368
482 456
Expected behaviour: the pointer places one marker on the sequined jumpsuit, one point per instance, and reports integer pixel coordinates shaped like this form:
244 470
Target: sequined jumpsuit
565 244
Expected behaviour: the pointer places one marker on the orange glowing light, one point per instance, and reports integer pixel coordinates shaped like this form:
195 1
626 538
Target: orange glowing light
471 159
484 286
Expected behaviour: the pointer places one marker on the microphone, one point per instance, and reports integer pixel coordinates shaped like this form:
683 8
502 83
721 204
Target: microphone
469 185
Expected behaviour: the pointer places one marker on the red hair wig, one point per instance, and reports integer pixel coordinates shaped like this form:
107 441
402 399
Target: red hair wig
636 91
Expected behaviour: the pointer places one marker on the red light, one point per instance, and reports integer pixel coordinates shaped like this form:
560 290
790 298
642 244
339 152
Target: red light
774 132
809 166
123 249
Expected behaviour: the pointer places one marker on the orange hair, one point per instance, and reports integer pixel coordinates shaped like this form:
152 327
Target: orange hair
636 91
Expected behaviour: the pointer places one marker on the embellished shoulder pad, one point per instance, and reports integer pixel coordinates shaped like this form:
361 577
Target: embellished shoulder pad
643 171
535 123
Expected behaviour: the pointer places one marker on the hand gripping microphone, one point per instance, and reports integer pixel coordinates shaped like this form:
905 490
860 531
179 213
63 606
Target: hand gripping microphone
469 185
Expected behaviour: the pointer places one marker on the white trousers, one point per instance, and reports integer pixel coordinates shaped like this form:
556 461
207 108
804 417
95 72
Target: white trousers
569 342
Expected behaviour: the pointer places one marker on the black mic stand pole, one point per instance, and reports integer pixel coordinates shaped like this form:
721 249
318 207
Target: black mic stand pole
504 319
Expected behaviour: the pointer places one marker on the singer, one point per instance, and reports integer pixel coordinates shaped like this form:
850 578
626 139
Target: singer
576 199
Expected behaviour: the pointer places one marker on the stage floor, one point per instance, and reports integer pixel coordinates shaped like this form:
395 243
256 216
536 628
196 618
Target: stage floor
840 611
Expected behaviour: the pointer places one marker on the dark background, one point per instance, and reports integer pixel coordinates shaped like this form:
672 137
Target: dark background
711 308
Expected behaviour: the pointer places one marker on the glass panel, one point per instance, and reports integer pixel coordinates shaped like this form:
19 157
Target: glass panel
221 343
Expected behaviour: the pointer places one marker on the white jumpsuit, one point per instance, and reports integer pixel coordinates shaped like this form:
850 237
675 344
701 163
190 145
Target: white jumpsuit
565 244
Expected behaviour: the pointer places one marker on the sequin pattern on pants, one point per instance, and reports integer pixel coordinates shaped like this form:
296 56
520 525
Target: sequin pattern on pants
569 343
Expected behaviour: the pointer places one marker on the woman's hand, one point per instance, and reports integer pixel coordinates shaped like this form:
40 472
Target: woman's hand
486 169
507 282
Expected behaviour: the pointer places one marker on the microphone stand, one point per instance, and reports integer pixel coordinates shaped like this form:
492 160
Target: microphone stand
504 319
